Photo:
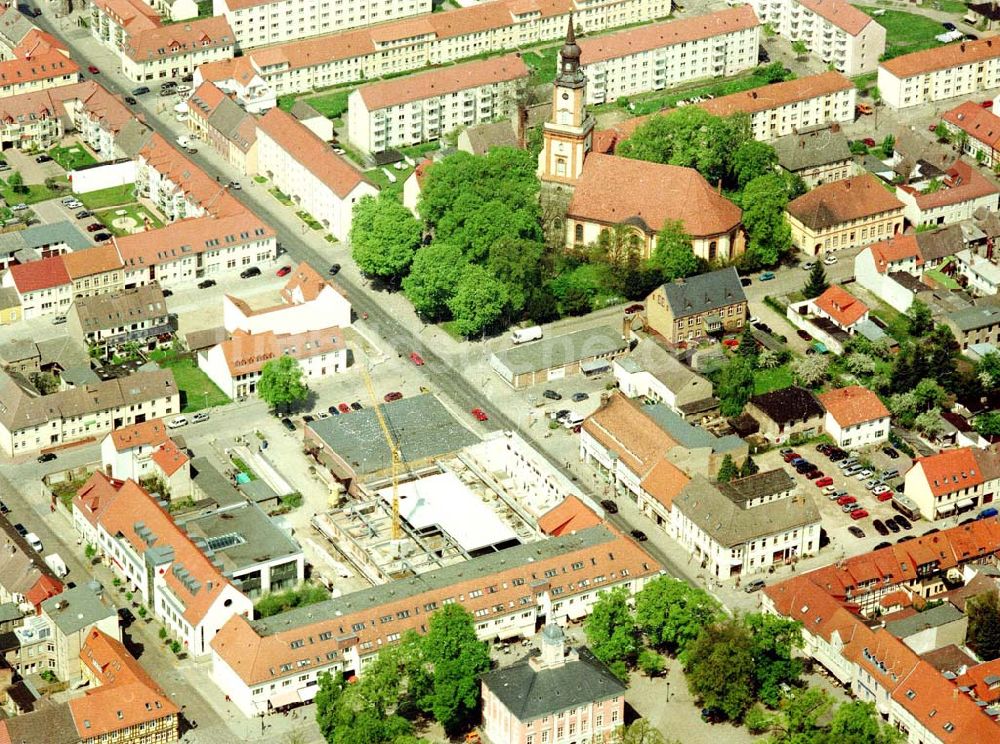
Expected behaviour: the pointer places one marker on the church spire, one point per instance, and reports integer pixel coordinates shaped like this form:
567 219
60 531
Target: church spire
570 74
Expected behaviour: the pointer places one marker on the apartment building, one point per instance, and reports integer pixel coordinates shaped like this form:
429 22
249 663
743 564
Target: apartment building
960 69
816 155
695 307
302 166
952 197
855 417
29 422
436 39
43 287
267 663
110 320
220 122
982 129
979 324
157 559
835 31
981 274
663 55
238 79
844 214
46 68
93 271
429 105
262 22
785 108
953 480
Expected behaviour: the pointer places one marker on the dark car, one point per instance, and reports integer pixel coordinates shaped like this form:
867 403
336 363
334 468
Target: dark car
639 535
903 522
394 395
578 397
47 457
633 309
168 293
805 467
949 26
609 506
205 284
551 395
745 281
856 531
891 524
93 70
94 227
250 273
4 509
308 419
102 236
880 527
189 78
141 90
904 539
334 270
21 529
804 335
931 531
287 423
356 406
890 453
191 150
334 411
882 545
130 101
754 586
43 159
84 214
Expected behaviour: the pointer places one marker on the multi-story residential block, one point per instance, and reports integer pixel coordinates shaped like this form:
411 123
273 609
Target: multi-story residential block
258 664
238 78
953 197
786 413
174 184
149 50
426 106
29 422
40 70
662 55
982 129
158 560
979 324
302 166
695 307
236 364
651 372
835 31
438 38
950 71
817 155
552 696
43 287
72 615
94 271
108 321
309 302
844 214
855 417
959 479
263 22
613 191
220 122
785 108
745 526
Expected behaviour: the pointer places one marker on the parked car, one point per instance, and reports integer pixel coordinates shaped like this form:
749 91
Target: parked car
141 90
200 416
859 514
307 419
791 455
394 395
334 269
416 359
235 186
804 468
754 586
168 293
825 482
890 453
580 397
344 408
831 492
4 509
191 150
130 101
869 142
284 271
903 522
804 335
287 423
864 474
830 260
864 109
949 26
34 542
21 529
206 283
639 535
479 414
176 422
43 158
94 227
844 500
551 395
83 214
20 207
609 506
59 320
767 276
102 236
250 272
633 309
884 496
333 410
807 266
47 457
856 531
93 70
356 406
891 524
880 527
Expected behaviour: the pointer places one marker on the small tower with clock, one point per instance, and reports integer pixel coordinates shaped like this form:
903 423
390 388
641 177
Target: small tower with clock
568 133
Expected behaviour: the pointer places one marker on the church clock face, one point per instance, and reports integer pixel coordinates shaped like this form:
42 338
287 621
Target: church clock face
565 96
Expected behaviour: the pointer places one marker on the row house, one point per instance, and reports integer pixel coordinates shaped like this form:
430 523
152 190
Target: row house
25 579
835 31
981 128
952 481
47 68
437 39
663 55
127 316
95 271
223 125
127 452
43 287
979 324
302 166
953 197
785 108
30 423
262 22
238 79
981 275
429 105
271 662
174 577
961 69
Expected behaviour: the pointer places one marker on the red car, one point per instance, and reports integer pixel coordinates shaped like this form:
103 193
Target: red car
859 514
869 142
284 271
845 500
731 343
92 69
987 104
344 408
884 496
814 474
390 397
416 359
94 227
826 480
632 309
791 456
480 414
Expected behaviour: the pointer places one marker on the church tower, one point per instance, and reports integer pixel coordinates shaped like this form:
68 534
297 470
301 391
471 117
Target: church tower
568 133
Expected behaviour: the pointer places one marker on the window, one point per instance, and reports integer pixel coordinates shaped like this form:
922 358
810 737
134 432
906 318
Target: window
578 233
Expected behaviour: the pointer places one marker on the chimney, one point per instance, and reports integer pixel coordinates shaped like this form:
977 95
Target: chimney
962 46
847 185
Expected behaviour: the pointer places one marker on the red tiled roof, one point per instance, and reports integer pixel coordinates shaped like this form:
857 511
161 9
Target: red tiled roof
246 353
984 679
942 57
40 66
170 458
841 14
96 260
961 183
852 405
948 714
35 275
897 248
979 123
150 433
950 470
567 517
187 37
96 495
45 587
778 94
664 482
841 305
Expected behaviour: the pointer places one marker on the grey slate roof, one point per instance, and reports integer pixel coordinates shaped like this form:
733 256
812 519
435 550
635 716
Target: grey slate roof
14 26
972 318
24 242
262 539
530 694
688 435
115 309
704 292
938 244
558 351
811 148
132 137
205 339
757 486
8 298
228 118
214 484
650 357
52 724
76 608
421 426
484 137
730 525
21 566
302 111
932 618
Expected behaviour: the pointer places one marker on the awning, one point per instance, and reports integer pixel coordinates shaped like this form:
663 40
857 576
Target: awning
965 504
287 696
575 610
308 693
507 633
944 511
591 366
713 321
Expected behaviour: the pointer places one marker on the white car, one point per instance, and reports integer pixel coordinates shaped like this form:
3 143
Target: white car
34 542
177 422
808 265
199 417
864 475
830 260
880 489
828 490
19 207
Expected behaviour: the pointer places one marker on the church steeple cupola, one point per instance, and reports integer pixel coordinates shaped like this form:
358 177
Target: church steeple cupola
570 74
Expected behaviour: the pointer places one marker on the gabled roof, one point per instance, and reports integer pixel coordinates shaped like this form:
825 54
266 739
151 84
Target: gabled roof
979 123
788 404
47 273
96 260
942 57
940 243
176 39
835 203
703 292
841 305
151 433
812 147
950 470
247 353
984 679
567 517
304 284
853 405
170 458
962 183
841 14
897 248
777 95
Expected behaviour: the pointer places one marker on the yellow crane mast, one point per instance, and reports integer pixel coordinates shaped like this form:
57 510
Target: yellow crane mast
396 456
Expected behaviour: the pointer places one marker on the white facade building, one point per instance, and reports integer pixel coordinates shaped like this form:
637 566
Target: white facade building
982 274
785 108
127 452
956 479
960 69
955 197
43 287
855 417
262 22
663 55
835 31
427 106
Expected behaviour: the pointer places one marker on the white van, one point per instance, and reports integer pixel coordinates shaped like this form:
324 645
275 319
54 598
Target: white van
521 335
176 422
574 419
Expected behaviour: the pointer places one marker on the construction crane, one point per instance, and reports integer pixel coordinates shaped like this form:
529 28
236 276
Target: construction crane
396 456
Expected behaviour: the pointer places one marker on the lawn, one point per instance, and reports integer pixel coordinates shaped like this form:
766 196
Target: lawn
377 177
766 380
332 105
417 152
36 192
906 32
943 279
543 64
197 390
71 158
135 211
110 197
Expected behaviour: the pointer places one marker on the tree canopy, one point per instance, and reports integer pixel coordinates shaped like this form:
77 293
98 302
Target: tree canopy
384 237
817 283
457 659
281 384
433 277
983 634
671 613
735 385
673 256
479 301
612 633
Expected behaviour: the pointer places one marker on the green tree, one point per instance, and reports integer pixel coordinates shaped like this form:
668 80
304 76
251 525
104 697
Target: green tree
640 731
810 370
983 634
720 668
748 468
457 659
671 613
479 301
281 384
45 383
817 283
774 640
612 633
752 159
577 288
800 48
433 277
942 132
384 237
16 183
919 321
619 246
748 344
857 722
988 370
929 394
888 146
987 424
673 256
735 385
764 200
727 470
651 663
517 263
